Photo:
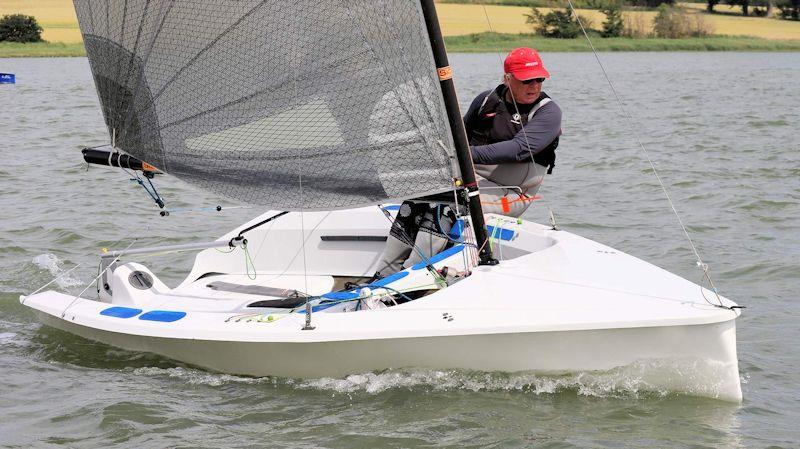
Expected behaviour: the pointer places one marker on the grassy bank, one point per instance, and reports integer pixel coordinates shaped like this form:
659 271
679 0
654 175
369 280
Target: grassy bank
491 42
40 50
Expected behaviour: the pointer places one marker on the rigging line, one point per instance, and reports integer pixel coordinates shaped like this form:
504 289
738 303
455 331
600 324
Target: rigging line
218 208
53 280
291 261
405 238
248 263
114 244
151 190
303 234
133 175
94 281
299 165
703 289
437 221
514 101
98 146
308 307
154 195
703 266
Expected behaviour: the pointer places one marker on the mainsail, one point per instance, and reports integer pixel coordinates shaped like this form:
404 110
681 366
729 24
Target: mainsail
319 104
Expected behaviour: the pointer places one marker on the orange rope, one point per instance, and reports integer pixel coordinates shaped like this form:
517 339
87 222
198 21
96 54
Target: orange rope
506 204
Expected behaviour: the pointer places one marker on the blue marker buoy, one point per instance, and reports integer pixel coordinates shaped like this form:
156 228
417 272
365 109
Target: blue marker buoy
7 78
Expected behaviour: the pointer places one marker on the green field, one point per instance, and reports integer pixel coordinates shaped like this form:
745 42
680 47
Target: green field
493 42
40 49
458 19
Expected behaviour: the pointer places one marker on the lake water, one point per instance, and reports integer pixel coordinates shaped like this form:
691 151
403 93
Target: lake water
721 127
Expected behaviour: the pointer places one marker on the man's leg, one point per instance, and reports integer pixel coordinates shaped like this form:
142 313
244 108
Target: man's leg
509 202
399 244
419 227
432 237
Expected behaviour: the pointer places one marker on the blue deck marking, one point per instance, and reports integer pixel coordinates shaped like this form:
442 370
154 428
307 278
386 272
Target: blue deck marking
439 257
7 78
457 230
121 312
340 295
501 233
164 316
392 207
389 279
319 307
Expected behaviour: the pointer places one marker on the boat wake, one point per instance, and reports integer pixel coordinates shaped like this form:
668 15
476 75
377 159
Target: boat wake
193 376
53 264
644 379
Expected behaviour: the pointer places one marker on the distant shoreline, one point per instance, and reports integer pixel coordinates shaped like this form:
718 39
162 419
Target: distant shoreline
493 42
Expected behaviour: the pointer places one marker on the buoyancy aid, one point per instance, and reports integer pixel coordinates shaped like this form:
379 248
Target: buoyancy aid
493 123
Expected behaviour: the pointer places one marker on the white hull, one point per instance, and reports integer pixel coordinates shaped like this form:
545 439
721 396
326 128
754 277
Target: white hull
560 304
709 349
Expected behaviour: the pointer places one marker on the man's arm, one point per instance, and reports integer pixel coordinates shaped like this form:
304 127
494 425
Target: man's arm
537 133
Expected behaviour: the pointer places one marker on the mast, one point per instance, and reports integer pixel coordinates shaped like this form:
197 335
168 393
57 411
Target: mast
457 128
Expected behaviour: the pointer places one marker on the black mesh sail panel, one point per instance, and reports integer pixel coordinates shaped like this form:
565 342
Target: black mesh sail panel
294 105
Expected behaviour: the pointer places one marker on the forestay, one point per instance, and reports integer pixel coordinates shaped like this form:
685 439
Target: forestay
319 104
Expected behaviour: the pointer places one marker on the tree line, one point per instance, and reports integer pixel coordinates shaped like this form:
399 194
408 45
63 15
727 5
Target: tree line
671 22
785 9
19 28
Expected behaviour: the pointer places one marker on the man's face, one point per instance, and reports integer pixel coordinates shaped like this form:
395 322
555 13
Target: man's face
525 92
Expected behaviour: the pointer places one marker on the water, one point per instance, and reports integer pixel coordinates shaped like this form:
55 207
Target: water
721 127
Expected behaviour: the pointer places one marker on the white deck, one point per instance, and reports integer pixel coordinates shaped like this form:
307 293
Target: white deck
582 305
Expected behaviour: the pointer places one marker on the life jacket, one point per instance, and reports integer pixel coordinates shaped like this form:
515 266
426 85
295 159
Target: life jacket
495 123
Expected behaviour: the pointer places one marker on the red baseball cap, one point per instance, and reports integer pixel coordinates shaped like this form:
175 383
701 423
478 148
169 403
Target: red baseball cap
525 63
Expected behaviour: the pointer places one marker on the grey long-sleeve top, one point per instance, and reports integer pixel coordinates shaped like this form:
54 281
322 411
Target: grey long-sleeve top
535 135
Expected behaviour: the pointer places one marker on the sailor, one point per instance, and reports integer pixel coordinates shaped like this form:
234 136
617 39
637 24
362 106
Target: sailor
513 131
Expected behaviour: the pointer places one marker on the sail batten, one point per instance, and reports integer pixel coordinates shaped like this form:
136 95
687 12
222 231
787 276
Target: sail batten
245 97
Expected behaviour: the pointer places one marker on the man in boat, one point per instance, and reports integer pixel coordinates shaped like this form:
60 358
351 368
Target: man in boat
513 133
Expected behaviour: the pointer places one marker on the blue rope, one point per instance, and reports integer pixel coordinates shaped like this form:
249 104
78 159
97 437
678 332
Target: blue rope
150 191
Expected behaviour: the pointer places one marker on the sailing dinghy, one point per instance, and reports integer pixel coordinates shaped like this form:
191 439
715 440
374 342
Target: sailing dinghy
330 114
